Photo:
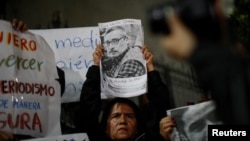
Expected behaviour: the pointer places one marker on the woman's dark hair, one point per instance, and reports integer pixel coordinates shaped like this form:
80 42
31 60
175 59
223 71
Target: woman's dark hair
109 106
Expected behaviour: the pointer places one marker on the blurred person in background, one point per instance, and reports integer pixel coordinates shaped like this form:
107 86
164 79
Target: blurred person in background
197 31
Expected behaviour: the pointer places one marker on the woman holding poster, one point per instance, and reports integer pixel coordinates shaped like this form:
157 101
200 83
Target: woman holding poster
121 118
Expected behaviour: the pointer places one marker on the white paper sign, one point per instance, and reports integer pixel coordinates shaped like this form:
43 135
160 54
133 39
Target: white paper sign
123 67
69 137
29 93
73 48
192 121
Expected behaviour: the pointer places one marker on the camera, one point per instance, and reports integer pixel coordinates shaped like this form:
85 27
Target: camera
198 15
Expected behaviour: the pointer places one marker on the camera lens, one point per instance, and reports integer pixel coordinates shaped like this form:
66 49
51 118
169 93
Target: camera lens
157 21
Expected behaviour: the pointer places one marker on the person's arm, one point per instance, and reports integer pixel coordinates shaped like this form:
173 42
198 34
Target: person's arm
90 105
226 75
157 95
166 126
158 92
91 89
61 79
159 102
90 101
87 118
148 56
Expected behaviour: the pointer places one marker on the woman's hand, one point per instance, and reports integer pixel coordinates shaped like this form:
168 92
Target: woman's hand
19 25
181 41
6 136
98 54
166 126
148 56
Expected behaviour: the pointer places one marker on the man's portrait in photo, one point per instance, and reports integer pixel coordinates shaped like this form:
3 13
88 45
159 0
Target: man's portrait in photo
120 52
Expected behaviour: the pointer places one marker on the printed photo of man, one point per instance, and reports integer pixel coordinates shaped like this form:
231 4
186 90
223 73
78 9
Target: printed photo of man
120 53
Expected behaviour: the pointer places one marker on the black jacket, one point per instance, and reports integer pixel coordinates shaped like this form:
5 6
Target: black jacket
227 76
91 106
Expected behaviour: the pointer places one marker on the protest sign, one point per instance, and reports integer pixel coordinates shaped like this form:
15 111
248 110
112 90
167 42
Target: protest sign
123 67
68 137
192 121
29 92
73 48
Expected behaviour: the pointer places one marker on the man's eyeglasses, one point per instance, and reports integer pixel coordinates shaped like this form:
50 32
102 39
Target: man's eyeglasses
113 41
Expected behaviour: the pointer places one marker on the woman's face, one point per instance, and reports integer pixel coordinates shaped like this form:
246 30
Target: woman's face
122 123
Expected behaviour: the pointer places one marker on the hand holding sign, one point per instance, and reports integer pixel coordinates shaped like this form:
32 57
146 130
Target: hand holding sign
19 25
